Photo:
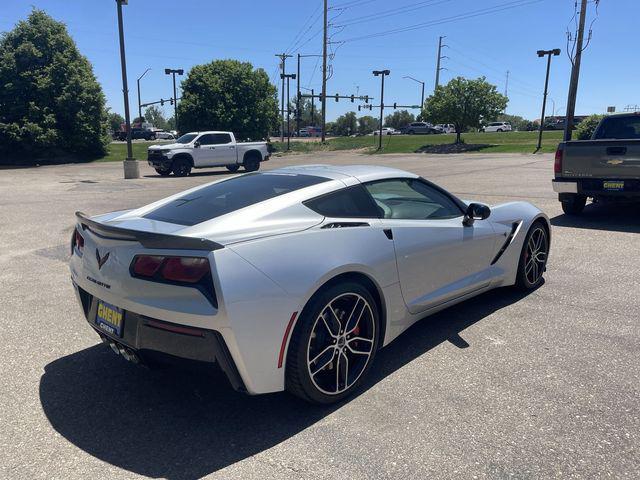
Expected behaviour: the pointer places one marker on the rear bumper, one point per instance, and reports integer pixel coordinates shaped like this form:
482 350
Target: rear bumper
595 187
155 341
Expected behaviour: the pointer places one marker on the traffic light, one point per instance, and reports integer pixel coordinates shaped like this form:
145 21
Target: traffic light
352 98
171 101
366 99
337 97
395 105
161 102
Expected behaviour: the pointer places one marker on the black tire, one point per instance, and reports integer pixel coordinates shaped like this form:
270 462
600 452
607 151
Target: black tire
533 261
233 168
162 172
500 130
251 163
574 205
181 167
355 349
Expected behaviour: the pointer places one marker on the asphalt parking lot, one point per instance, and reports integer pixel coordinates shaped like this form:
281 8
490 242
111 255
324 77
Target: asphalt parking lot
545 385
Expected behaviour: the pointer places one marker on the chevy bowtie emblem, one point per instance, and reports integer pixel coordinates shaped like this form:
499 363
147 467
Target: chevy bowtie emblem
615 162
101 260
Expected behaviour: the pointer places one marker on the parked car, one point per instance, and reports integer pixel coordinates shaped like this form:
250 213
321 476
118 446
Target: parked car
416 128
162 135
497 127
605 168
293 279
445 127
206 149
138 134
385 131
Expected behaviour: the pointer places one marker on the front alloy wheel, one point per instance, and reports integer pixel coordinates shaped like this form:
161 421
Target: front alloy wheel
333 345
533 260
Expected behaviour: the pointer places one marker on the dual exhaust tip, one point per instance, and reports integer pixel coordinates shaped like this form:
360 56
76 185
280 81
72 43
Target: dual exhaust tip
126 352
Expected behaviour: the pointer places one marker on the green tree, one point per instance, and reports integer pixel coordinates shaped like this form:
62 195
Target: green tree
345 124
228 95
367 124
305 113
155 116
50 100
464 103
585 128
115 121
399 119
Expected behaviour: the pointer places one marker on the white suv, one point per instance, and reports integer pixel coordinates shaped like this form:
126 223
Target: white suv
497 127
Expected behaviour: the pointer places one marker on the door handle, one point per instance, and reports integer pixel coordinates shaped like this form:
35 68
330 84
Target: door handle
616 150
232 147
388 233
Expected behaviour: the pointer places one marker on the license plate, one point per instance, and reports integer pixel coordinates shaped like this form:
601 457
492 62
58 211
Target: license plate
110 318
613 185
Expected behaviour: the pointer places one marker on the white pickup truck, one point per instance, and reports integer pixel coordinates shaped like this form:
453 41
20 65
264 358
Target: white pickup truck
206 149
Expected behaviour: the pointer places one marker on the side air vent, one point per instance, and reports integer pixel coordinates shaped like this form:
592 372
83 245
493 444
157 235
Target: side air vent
515 226
345 224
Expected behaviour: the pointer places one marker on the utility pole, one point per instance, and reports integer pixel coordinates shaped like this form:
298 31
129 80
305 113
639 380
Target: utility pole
287 77
549 53
130 164
575 74
324 73
313 104
382 73
506 85
171 71
139 102
440 57
283 58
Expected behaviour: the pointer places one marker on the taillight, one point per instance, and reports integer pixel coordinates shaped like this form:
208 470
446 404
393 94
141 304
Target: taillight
557 164
77 241
173 269
185 271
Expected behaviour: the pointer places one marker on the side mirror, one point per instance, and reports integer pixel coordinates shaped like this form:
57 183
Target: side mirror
475 211
196 144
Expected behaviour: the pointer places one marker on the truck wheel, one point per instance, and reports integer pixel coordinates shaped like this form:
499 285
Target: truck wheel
181 167
233 168
251 163
163 172
574 205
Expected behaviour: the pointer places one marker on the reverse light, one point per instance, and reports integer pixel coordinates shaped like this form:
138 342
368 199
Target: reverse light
557 164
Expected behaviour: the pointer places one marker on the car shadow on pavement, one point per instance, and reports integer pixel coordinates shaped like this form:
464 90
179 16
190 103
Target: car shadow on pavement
211 173
618 218
185 425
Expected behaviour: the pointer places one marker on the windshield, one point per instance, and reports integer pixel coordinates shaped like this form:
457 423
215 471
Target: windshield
224 197
188 138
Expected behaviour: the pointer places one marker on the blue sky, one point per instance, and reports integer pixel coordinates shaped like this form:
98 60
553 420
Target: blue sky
164 33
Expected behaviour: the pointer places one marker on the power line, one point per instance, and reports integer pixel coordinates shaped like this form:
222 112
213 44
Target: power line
392 12
310 22
454 18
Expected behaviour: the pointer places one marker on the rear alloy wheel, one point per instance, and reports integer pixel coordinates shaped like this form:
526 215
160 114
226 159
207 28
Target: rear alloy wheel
251 164
533 259
233 168
163 172
574 205
181 167
333 344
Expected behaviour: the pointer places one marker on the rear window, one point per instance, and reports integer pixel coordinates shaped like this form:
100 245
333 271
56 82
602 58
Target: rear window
619 127
224 197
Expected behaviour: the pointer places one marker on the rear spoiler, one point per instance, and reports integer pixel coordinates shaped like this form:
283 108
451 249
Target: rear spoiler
147 239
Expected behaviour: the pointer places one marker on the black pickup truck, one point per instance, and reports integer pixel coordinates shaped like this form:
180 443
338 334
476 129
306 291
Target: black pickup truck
137 133
605 168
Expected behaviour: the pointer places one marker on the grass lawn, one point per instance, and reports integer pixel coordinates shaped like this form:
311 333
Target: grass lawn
118 151
503 142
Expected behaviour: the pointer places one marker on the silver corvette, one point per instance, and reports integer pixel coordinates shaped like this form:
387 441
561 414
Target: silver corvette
294 278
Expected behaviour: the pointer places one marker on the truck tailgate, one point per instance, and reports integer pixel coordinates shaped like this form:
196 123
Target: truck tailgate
606 159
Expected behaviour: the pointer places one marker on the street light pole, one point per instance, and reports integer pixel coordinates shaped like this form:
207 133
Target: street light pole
171 71
139 101
130 164
549 53
382 73
288 77
420 82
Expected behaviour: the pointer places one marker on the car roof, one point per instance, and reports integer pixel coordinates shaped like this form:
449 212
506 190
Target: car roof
362 173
